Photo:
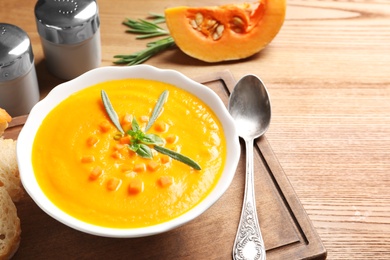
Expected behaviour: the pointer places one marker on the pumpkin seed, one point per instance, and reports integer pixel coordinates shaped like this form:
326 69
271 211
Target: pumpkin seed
193 24
218 32
237 21
199 18
237 24
211 24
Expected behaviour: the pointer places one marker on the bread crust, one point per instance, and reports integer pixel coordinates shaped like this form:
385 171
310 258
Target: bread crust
9 226
9 171
10 190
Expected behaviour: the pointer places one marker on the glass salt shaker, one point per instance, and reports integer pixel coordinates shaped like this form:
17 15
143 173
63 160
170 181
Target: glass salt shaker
19 90
70 36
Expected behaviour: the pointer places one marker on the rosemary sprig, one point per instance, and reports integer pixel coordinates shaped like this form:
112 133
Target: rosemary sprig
145 30
157 18
152 49
140 140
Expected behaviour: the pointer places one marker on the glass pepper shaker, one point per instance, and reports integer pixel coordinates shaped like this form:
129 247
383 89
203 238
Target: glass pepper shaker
19 90
70 36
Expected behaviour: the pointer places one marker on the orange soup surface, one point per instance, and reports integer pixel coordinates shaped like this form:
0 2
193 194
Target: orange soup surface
86 168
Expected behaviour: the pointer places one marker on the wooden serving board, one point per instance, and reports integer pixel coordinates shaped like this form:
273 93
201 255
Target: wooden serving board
287 230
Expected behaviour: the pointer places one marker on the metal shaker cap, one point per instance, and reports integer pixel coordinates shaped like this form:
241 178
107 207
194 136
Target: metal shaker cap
67 21
16 56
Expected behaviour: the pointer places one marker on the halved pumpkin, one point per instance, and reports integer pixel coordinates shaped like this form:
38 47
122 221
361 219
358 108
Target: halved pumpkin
226 32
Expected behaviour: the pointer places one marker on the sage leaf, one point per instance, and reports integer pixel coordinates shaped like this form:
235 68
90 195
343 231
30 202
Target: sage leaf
111 112
178 157
134 147
134 125
157 109
152 139
144 151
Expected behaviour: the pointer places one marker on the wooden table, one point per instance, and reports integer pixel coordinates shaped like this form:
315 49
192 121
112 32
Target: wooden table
328 74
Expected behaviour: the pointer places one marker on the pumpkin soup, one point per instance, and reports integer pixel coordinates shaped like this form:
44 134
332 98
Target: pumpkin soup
92 171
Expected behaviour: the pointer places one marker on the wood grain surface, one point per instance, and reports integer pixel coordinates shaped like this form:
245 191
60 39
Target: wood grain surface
328 75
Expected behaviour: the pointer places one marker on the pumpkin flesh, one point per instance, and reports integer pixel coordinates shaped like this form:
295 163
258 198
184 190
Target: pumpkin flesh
227 32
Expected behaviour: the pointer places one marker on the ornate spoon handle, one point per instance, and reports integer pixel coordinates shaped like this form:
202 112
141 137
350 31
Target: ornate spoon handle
249 243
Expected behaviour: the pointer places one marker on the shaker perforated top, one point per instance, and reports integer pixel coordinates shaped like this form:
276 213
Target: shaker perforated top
67 21
16 56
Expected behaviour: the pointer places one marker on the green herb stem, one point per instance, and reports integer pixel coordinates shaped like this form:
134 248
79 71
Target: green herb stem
152 49
157 18
145 28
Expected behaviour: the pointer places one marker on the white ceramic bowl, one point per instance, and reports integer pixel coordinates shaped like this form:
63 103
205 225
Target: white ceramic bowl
61 92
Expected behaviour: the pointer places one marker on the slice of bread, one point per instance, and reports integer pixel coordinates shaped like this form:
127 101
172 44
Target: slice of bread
9 226
10 191
9 171
5 118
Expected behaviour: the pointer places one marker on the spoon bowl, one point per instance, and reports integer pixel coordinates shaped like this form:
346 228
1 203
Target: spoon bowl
250 108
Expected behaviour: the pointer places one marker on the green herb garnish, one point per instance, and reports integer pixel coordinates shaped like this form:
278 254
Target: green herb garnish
157 18
157 109
177 156
145 30
111 112
152 49
140 140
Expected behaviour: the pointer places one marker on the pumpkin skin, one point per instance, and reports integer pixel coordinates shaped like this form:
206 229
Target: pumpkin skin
226 32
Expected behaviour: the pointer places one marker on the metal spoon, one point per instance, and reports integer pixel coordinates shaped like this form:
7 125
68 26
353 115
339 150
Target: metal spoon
250 107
